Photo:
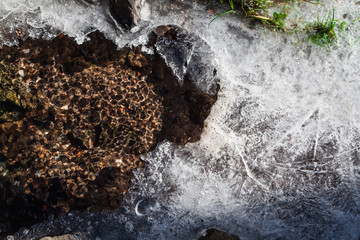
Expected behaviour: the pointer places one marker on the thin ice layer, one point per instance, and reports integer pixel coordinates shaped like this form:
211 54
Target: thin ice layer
46 19
279 156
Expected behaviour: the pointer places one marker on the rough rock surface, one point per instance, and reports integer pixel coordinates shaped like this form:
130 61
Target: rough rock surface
125 12
186 105
188 56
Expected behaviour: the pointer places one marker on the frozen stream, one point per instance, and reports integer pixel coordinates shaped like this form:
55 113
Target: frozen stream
280 154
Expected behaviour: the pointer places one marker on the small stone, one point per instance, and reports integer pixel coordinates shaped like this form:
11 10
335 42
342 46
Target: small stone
38 173
135 29
161 30
65 107
62 237
21 73
125 12
118 162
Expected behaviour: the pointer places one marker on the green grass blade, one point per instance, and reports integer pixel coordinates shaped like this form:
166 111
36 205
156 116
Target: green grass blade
356 20
356 42
232 5
231 11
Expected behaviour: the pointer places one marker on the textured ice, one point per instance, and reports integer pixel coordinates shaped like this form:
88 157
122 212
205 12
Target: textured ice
45 19
188 55
48 18
279 156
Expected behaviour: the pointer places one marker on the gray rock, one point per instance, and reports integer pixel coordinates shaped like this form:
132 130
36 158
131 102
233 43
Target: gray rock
125 12
188 56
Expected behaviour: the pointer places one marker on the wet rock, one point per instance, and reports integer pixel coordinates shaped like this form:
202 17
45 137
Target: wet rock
215 234
125 12
189 96
162 30
188 56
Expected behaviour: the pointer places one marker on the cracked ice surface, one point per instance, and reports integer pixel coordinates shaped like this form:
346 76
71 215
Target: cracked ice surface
279 156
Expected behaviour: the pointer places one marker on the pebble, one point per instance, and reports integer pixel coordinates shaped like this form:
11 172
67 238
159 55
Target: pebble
21 73
62 237
65 107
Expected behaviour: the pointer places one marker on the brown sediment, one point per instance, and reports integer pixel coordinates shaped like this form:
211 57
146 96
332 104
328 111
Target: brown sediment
82 115
94 119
